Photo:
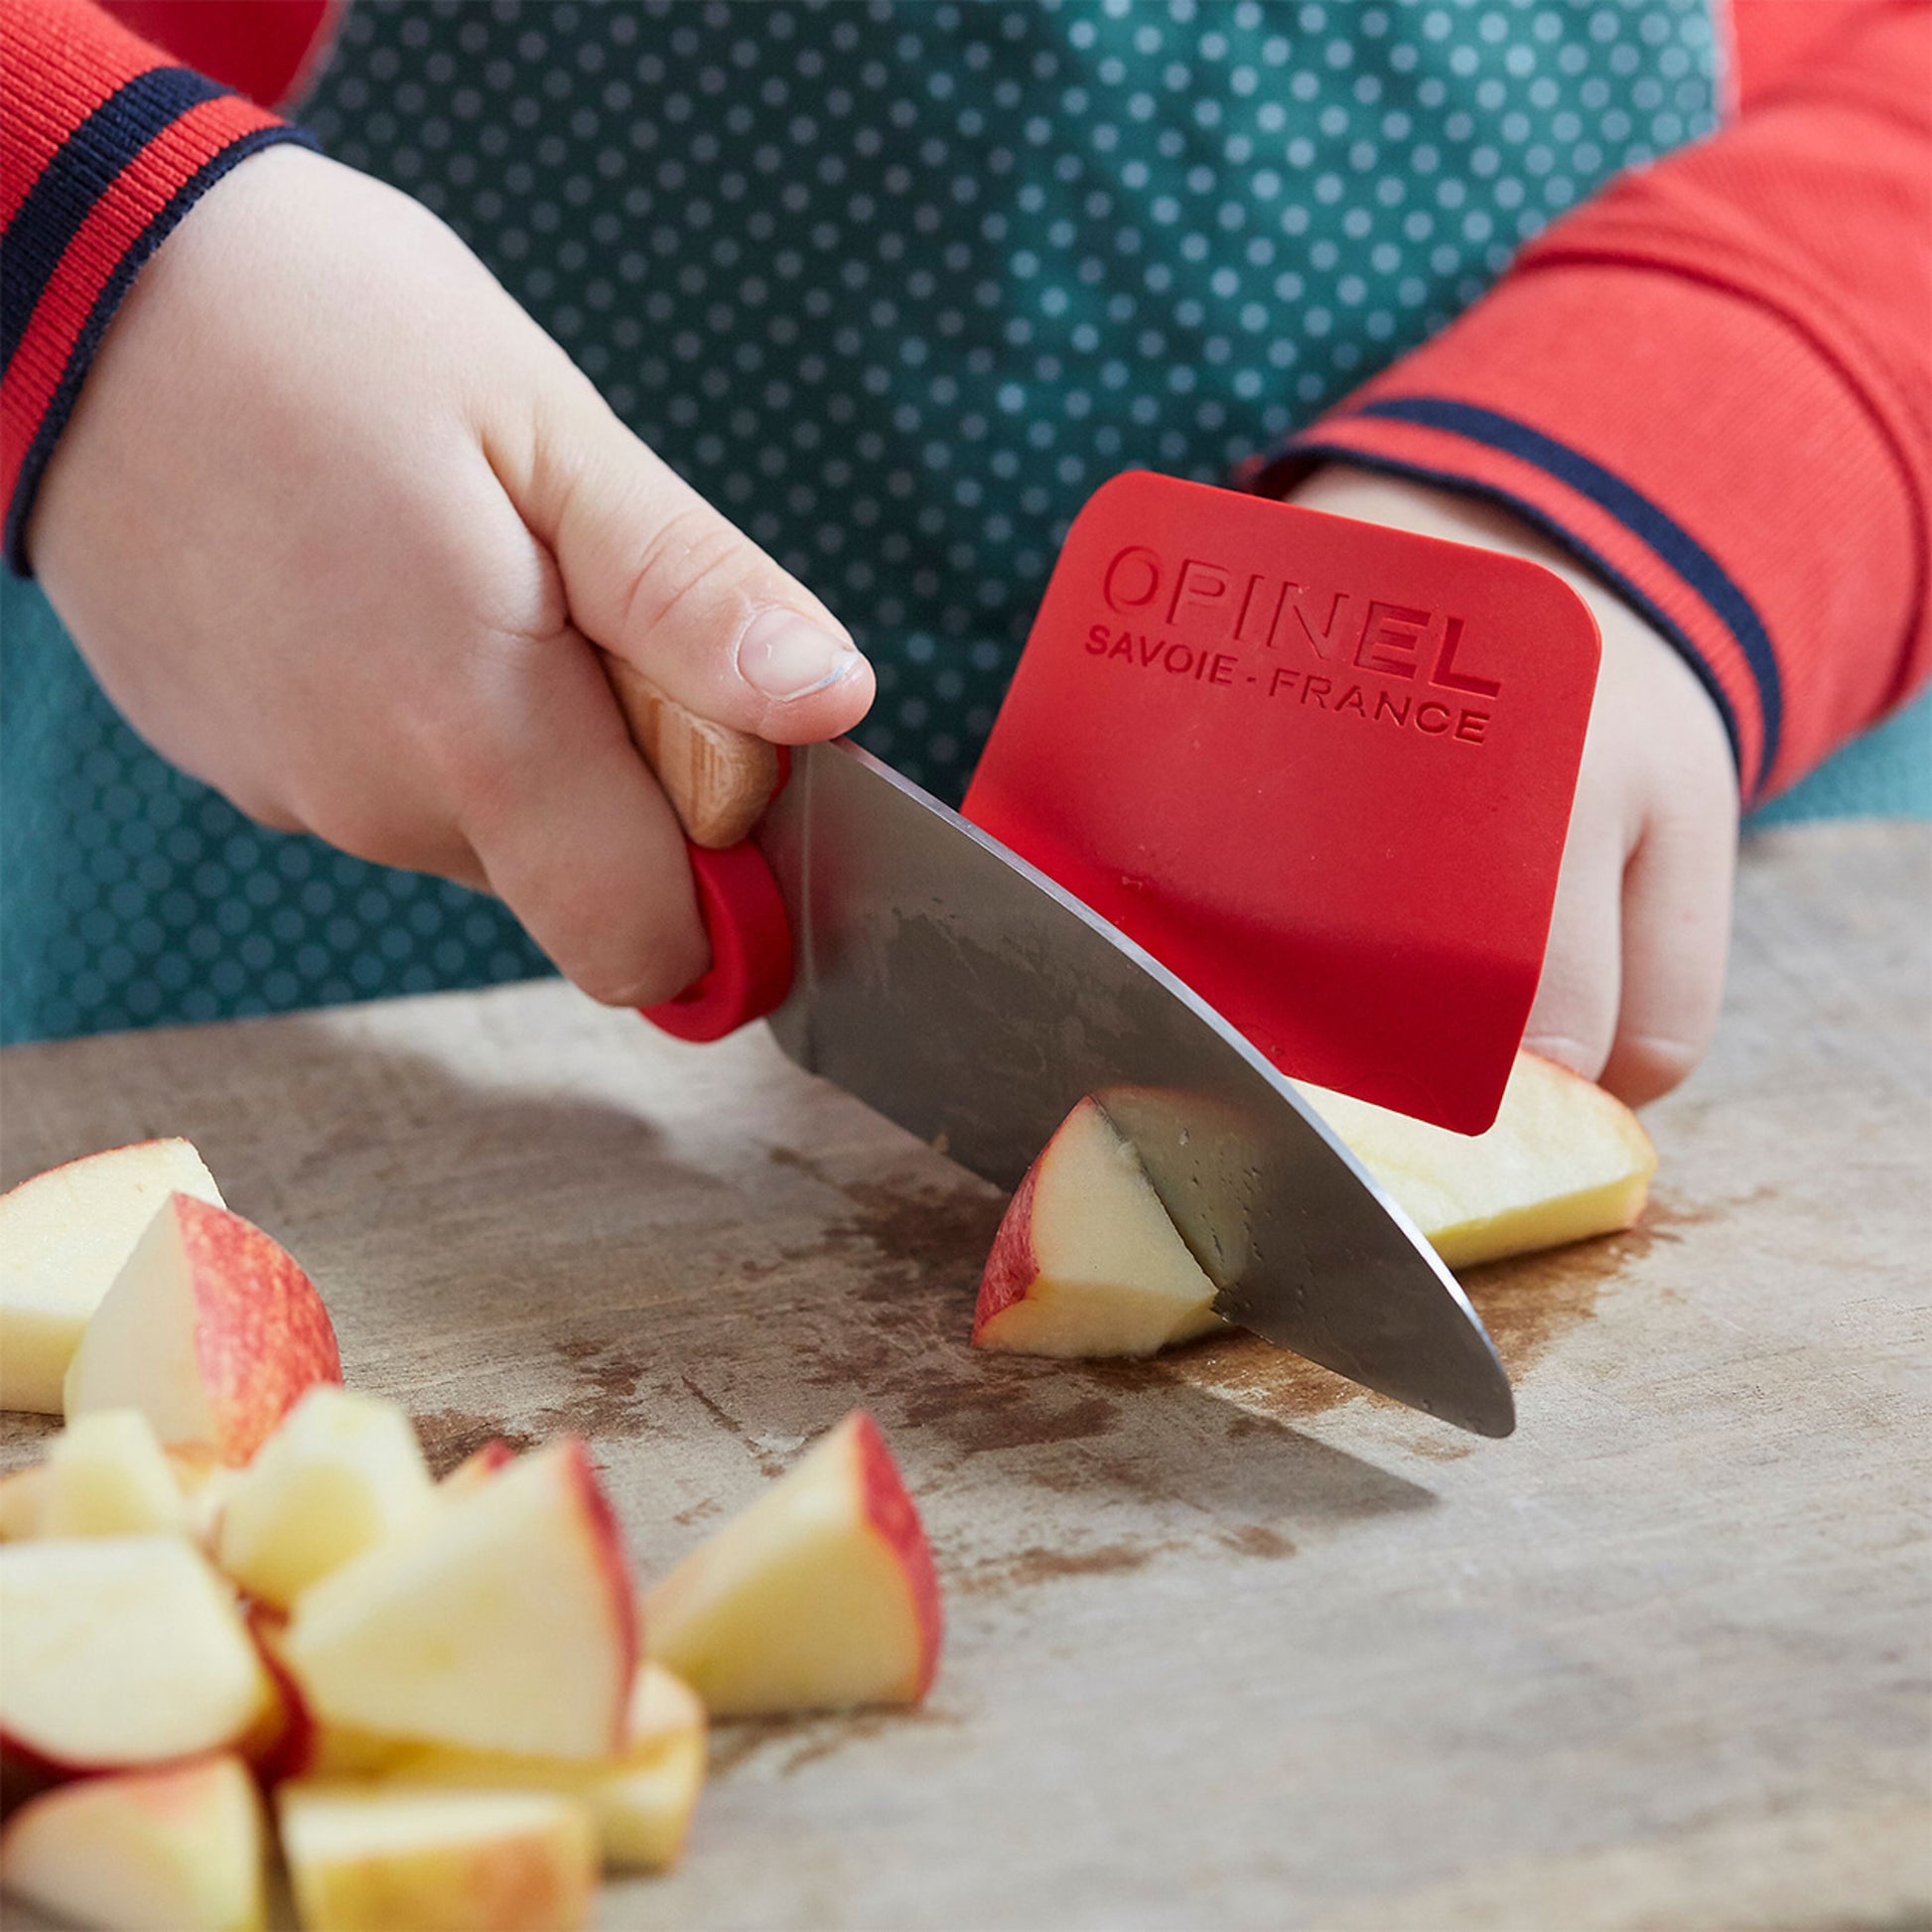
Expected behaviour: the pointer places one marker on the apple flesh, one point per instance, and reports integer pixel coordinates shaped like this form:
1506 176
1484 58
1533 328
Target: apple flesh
382 1857
502 1622
63 1236
341 1474
1086 1261
181 1847
108 1475
821 1595
1563 1161
211 1329
642 1800
122 1651
21 1494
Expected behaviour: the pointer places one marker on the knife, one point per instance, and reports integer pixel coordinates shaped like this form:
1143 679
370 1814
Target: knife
914 961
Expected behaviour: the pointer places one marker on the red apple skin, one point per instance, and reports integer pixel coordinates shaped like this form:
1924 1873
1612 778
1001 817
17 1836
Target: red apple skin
262 1335
607 1539
285 1748
477 1466
891 1511
1013 1266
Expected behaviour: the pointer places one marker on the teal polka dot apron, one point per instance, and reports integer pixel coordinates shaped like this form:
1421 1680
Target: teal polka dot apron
897 286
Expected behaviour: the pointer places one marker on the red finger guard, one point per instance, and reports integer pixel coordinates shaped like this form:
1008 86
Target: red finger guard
1321 769
751 947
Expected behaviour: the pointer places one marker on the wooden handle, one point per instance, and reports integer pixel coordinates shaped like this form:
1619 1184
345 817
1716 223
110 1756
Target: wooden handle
719 780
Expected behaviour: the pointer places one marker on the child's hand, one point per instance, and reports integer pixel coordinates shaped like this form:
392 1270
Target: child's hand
332 523
1635 970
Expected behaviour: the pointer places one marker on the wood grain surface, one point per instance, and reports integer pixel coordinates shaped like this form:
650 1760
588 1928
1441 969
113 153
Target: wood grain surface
1231 1643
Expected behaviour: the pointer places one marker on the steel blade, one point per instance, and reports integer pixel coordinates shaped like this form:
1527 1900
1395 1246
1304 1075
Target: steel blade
963 995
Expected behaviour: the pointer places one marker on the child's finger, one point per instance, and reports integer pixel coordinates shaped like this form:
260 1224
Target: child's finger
1676 931
1574 1018
657 577
573 834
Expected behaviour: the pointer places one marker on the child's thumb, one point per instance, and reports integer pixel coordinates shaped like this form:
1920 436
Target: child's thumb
657 577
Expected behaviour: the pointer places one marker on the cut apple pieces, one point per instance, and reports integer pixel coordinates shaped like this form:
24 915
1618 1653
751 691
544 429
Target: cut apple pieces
821 1595
642 1800
381 1857
342 1473
1564 1160
211 1329
504 1621
63 1236
108 1475
183 1847
1086 1261
122 1651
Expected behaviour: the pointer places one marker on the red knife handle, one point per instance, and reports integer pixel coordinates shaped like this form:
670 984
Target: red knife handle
751 946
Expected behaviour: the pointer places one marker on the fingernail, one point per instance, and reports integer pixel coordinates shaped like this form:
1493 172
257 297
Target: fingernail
785 657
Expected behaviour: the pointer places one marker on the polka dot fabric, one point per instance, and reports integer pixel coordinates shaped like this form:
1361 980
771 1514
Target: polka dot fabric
897 286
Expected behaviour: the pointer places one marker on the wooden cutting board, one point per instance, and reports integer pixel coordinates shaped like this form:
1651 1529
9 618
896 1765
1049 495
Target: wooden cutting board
1230 1643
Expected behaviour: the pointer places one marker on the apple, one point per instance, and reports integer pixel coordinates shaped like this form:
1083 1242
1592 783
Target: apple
342 1472
642 1800
21 1491
108 1475
382 1857
122 1651
206 1482
502 1622
1086 1261
181 1847
1564 1160
63 1236
295 1743
821 1595
476 1468
211 1329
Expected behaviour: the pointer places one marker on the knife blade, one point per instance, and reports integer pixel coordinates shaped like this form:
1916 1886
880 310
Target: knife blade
959 992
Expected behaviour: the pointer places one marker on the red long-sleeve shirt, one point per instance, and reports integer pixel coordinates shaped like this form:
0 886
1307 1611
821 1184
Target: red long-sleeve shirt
1712 381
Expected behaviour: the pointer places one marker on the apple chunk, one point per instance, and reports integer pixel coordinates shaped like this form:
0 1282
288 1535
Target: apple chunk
342 1472
504 1621
63 1236
181 1847
821 1595
642 1800
1564 1160
378 1857
211 1329
108 1475
122 1651
1086 1261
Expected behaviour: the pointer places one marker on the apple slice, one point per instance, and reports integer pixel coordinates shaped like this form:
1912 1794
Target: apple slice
1564 1160
108 1475
1086 1261
122 1651
342 1472
821 1595
184 1846
63 1236
504 1621
21 1494
211 1330
642 1800
296 1744
378 1857
206 1482
477 1468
